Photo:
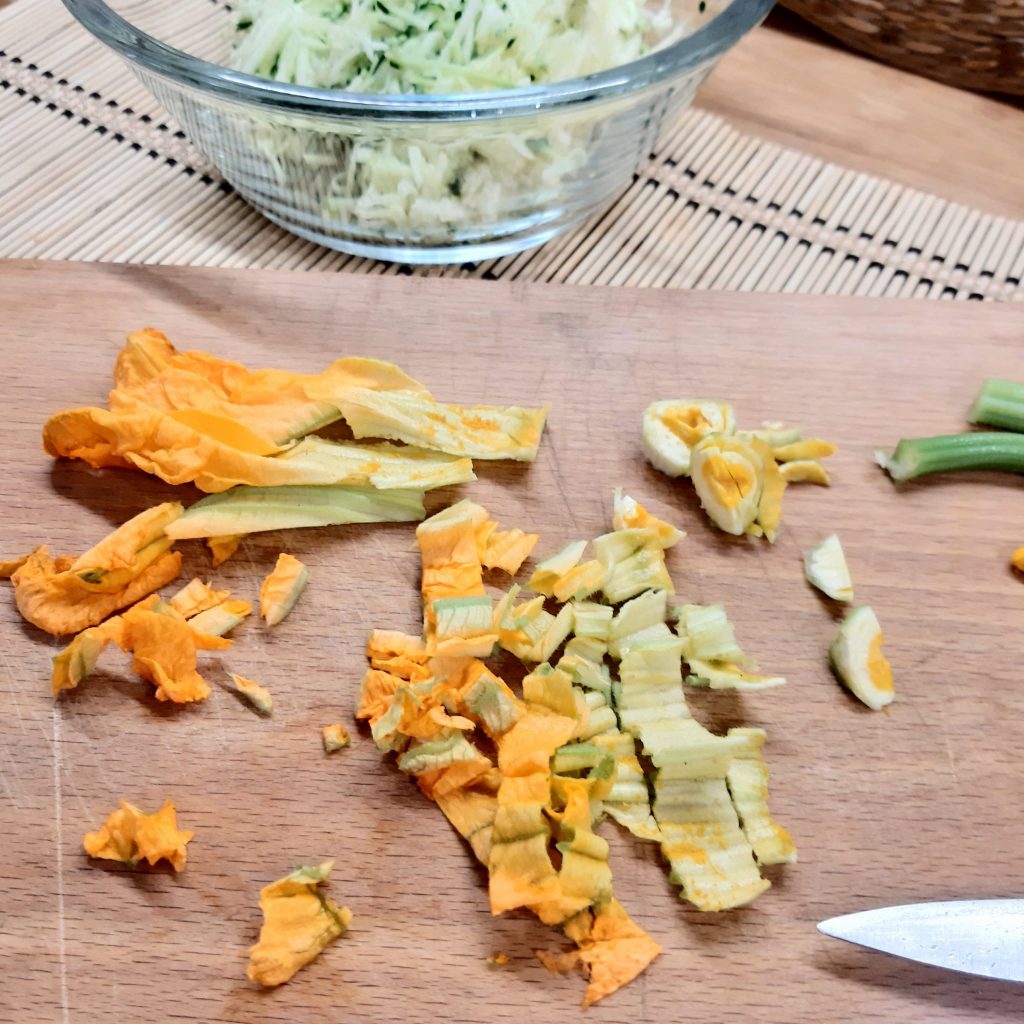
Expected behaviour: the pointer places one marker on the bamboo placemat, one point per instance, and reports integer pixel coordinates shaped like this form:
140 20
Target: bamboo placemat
93 169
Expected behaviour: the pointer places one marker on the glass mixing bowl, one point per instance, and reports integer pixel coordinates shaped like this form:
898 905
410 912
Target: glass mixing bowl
415 179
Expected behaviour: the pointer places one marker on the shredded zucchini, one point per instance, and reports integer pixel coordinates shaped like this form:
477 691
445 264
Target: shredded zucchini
436 47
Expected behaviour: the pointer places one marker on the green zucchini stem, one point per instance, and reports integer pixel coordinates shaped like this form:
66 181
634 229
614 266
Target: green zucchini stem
950 453
1000 403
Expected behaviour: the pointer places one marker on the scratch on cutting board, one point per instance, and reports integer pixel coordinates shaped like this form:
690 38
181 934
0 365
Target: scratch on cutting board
949 757
58 821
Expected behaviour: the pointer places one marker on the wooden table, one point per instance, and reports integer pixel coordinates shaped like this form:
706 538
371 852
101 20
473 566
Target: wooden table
919 803
789 83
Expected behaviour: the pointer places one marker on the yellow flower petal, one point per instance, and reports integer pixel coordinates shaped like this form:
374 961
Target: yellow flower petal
130 835
298 923
165 654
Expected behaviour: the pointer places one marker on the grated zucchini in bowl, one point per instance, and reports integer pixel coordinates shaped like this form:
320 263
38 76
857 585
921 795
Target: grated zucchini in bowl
387 182
439 46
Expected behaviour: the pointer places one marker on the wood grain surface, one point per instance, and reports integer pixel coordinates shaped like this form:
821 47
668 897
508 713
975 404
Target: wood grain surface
792 84
916 804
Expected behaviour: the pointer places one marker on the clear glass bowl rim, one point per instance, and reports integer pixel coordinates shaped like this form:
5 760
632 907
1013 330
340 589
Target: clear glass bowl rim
138 48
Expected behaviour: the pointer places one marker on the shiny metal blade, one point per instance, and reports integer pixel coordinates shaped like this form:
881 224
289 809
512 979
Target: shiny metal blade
983 937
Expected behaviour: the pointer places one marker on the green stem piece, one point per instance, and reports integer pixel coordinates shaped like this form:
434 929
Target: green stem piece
924 455
1000 403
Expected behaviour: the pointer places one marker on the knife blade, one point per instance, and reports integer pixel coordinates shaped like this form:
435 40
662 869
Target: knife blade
983 937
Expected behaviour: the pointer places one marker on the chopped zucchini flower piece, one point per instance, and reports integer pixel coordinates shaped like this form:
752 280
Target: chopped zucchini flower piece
398 653
710 856
721 675
769 509
634 561
728 475
563 577
715 658
552 569
479 431
810 448
335 737
639 622
858 661
613 950
708 635
222 618
581 581
550 688
258 696
79 658
130 835
629 514
493 704
463 627
805 471
471 812
592 620
508 549
164 649
584 873
281 589
299 921
533 634
747 779
521 871
672 428
448 747
583 660
222 548
825 568
195 597
449 544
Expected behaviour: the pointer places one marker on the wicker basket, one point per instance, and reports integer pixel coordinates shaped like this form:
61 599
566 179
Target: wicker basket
976 44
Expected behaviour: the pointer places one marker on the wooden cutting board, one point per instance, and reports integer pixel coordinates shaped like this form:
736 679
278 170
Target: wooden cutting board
920 803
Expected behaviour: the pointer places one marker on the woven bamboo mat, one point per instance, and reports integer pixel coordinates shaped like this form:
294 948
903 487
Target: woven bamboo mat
92 169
